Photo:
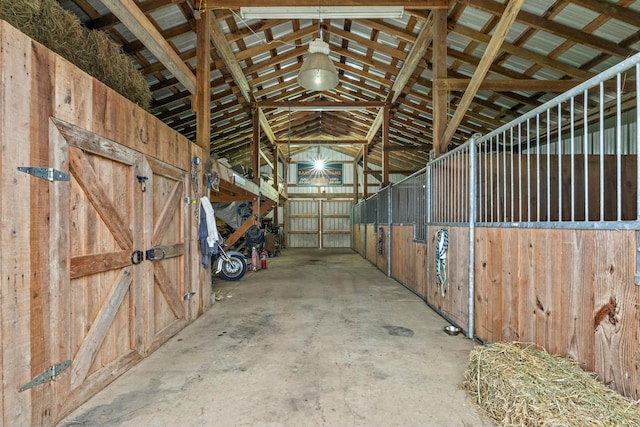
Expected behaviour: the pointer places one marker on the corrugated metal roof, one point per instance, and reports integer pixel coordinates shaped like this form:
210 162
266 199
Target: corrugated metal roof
550 40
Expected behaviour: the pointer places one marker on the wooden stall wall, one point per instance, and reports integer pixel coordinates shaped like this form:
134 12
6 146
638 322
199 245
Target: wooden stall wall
569 291
357 239
382 248
455 302
371 240
95 268
408 259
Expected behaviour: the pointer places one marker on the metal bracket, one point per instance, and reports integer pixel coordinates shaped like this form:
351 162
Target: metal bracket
142 180
155 254
50 174
637 276
47 375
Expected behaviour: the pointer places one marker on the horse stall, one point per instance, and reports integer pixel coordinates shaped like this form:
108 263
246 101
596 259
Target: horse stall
531 233
99 261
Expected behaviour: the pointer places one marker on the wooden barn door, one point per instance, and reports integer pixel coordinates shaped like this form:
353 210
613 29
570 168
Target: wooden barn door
127 254
164 252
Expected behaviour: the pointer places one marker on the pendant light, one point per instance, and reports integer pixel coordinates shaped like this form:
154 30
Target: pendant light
318 72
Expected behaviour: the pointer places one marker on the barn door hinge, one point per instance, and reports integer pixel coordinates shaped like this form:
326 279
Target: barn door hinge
47 375
50 174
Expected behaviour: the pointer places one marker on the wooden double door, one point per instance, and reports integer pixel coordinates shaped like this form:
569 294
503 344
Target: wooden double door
126 292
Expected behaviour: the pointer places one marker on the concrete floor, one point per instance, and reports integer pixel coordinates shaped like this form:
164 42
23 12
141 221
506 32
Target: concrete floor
320 338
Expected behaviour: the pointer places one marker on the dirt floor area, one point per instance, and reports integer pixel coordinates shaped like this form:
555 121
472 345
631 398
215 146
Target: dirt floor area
319 338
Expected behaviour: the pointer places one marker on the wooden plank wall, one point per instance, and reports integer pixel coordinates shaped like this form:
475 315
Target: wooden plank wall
357 238
570 291
408 259
382 248
34 261
15 233
371 240
455 302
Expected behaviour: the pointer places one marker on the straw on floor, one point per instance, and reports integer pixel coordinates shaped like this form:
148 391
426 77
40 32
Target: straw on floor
522 385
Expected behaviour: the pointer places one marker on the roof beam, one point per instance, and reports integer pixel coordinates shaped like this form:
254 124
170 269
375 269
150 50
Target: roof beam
408 4
418 50
416 54
500 33
318 105
322 142
558 29
135 20
508 85
222 46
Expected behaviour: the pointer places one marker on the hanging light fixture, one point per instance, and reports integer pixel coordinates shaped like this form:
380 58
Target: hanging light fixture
318 72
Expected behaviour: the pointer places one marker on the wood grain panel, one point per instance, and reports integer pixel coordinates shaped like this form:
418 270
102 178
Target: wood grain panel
408 259
615 315
15 234
59 301
382 251
371 239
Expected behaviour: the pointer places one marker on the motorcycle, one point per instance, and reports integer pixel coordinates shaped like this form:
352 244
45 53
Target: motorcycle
229 265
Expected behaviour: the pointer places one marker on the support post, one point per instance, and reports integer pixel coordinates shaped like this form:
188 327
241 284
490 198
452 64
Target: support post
255 145
440 92
365 172
385 147
203 82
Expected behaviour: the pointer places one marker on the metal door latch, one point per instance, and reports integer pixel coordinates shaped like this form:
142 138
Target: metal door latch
155 254
142 180
50 174
47 375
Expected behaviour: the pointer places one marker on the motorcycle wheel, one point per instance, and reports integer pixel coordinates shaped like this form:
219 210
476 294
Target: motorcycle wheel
234 269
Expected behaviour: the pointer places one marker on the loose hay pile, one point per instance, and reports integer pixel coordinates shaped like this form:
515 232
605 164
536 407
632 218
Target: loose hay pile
524 386
92 51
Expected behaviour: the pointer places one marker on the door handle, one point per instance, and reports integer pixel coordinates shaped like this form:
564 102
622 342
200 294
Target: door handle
137 257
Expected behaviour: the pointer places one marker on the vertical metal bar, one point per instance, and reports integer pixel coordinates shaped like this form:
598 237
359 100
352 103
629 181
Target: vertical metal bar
619 146
429 194
491 178
320 224
537 167
572 174
585 148
549 164
453 189
519 171
559 150
504 177
528 198
457 192
389 215
602 151
485 195
637 142
511 177
472 221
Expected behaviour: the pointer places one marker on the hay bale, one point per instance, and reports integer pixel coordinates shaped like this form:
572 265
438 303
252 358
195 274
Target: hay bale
522 385
92 51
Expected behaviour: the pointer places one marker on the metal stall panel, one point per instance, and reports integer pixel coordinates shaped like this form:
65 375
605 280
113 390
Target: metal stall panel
336 223
303 230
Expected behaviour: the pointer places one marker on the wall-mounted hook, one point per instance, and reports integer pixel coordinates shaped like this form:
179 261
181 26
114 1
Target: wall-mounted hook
142 179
